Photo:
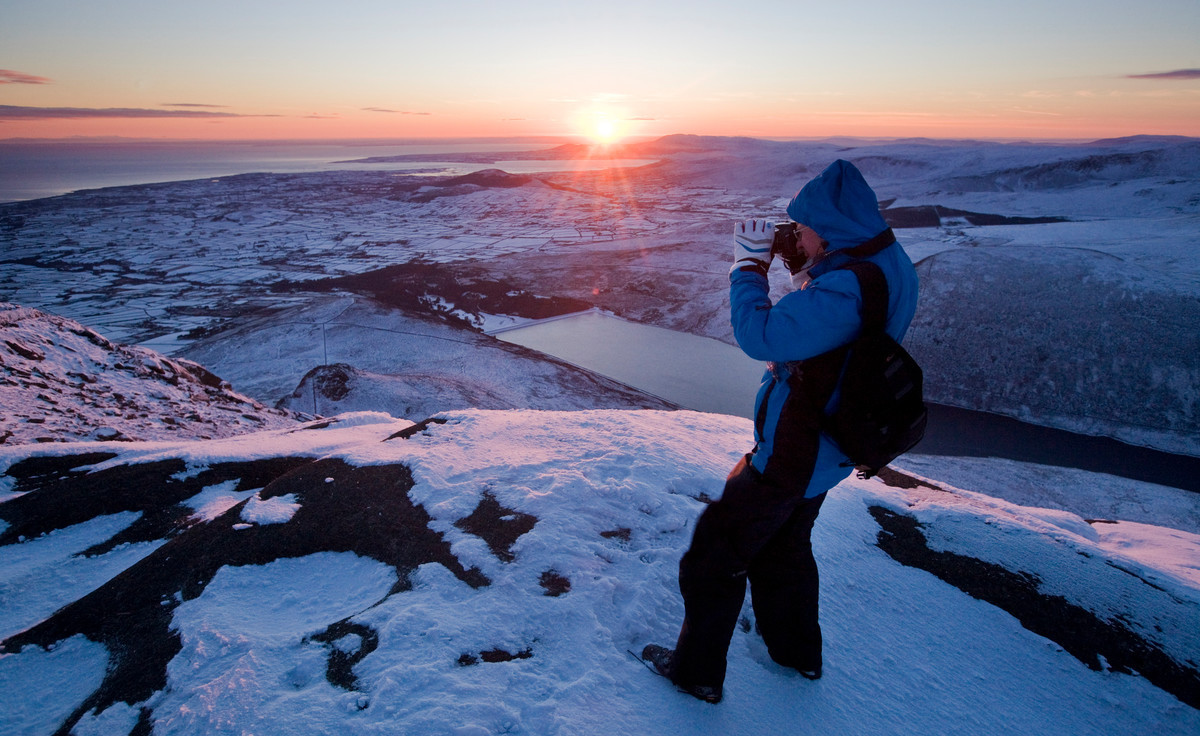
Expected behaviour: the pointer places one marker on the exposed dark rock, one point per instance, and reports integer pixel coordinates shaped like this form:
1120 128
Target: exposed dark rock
933 216
416 429
93 337
498 526
469 288
554 583
32 472
56 499
340 669
1080 632
25 352
499 655
202 374
623 534
493 655
897 479
331 381
363 510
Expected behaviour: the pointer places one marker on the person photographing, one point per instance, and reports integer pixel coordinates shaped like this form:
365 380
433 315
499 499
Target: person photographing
759 531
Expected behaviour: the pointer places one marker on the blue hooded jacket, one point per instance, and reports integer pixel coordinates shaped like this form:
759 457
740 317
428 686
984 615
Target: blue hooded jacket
826 314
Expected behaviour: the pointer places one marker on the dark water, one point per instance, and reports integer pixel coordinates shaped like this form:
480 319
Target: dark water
34 169
720 383
966 433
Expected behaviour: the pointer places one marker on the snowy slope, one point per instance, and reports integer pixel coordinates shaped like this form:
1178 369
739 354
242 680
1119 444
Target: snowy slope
345 353
485 573
62 381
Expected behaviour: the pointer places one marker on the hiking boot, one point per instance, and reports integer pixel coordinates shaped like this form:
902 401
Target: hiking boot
661 659
703 692
813 674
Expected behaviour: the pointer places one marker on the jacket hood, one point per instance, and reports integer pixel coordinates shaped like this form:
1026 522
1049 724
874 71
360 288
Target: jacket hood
840 206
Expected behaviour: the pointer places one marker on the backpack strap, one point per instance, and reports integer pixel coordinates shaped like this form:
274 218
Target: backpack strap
872 246
821 374
873 285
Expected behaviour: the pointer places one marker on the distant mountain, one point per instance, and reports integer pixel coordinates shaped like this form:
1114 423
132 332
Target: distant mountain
1143 141
468 184
61 381
1147 159
489 178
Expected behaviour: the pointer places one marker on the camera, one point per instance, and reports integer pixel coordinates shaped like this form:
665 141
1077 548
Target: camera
784 242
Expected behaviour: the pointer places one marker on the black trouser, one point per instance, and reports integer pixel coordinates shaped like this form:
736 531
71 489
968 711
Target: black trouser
762 532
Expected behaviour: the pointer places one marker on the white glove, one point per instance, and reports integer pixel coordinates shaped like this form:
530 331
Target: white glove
752 244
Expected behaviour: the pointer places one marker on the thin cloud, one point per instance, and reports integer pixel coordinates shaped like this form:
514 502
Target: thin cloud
193 104
1027 111
393 112
16 112
1177 74
8 76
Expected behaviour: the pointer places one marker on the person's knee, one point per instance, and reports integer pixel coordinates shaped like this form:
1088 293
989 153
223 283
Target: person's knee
711 577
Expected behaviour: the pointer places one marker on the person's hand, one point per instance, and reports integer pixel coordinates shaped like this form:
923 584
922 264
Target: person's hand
752 245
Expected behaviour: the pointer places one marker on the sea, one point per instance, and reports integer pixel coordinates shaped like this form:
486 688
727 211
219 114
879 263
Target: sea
36 169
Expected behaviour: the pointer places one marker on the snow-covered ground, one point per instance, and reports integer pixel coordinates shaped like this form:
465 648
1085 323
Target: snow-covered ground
64 381
354 354
1073 304
487 573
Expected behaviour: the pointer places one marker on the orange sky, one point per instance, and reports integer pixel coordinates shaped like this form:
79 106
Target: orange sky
402 69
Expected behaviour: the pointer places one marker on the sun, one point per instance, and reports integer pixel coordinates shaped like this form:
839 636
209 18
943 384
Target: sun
604 131
602 124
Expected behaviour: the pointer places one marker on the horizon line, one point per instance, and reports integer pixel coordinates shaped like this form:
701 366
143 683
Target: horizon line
550 138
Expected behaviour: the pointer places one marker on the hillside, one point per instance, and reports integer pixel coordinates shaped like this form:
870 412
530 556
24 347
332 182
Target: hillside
62 381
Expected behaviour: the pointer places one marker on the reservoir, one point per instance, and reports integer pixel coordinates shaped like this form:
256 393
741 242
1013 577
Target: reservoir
708 375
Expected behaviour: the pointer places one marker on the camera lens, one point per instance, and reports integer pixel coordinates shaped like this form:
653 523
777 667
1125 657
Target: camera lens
784 241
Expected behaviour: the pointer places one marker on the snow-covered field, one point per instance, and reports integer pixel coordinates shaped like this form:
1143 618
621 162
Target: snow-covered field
1060 282
488 572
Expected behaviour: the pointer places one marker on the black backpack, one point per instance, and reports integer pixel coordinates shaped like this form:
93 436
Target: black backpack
881 414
